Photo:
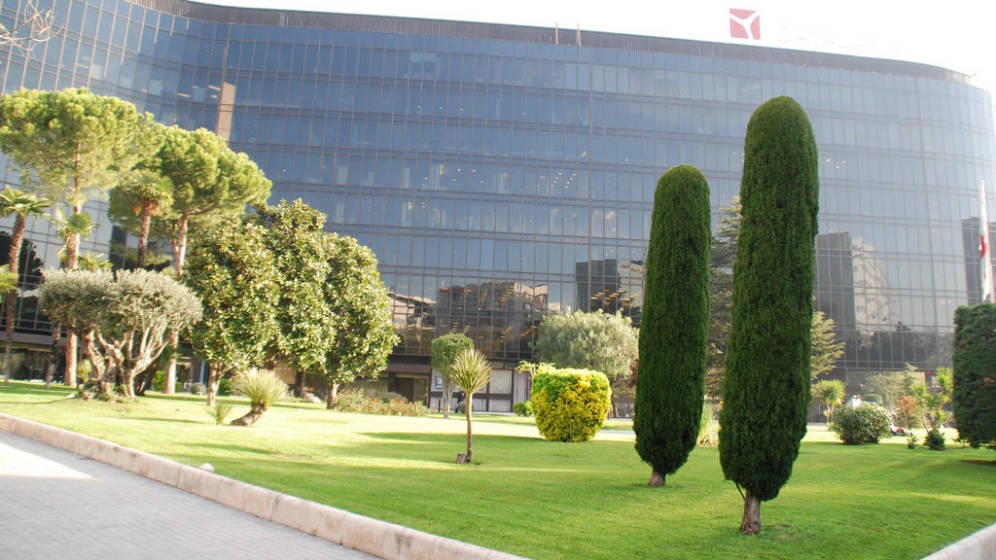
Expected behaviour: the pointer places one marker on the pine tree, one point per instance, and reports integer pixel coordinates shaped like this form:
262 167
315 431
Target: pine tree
675 323
766 391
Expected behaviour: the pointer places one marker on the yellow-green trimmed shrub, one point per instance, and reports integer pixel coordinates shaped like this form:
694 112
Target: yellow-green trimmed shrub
570 404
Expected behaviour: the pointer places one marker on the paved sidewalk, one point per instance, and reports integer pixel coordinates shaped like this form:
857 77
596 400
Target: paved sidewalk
57 505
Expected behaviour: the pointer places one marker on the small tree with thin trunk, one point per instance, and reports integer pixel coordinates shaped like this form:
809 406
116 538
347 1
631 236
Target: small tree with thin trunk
766 391
22 205
470 372
675 324
445 350
830 393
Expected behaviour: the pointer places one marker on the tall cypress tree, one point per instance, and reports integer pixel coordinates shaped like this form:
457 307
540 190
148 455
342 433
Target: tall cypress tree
675 323
766 391
974 366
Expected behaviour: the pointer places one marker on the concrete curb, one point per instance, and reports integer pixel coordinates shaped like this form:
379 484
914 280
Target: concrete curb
379 538
980 545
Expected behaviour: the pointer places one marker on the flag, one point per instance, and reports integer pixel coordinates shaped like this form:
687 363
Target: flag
984 243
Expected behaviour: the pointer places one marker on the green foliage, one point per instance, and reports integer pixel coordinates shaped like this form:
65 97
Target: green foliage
675 323
826 349
129 314
238 282
596 341
932 401
333 311
355 400
446 348
975 374
219 412
470 372
722 255
831 393
891 386
934 440
72 145
907 412
570 404
524 408
708 427
864 424
261 387
225 386
208 180
766 390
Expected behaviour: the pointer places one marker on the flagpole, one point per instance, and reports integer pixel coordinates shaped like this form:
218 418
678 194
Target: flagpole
985 248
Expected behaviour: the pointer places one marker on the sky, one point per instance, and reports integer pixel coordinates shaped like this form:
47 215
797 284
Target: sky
956 34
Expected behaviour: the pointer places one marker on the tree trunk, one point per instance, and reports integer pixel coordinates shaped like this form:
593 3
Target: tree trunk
72 345
256 410
299 384
169 380
143 234
656 479
179 258
470 433
751 524
332 399
214 377
13 264
53 358
447 395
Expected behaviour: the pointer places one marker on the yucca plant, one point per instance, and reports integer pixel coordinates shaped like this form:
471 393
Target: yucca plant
219 411
470 372
262 388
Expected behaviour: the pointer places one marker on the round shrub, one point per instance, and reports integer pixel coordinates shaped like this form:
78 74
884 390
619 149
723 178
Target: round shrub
934 440
570 404
864 424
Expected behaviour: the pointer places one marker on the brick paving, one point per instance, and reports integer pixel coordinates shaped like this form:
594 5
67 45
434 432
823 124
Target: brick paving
54 504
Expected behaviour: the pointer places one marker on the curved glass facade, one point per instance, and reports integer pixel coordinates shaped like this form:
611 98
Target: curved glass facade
503 172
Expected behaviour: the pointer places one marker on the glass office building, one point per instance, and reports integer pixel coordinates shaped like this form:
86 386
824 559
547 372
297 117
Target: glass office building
504 172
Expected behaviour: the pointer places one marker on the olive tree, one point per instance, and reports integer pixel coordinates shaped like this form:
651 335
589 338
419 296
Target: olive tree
588 340
130 314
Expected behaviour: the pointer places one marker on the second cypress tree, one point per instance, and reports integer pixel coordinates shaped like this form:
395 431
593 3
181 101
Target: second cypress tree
675 323
766 391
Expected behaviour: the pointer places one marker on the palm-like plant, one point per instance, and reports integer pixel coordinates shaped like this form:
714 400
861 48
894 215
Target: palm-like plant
262 388
22 205
141 196
470 372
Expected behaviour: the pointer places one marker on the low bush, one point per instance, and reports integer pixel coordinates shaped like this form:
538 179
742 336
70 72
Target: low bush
225 386
570 404
524 408
864 424
934 440
261 387
390 404
198 389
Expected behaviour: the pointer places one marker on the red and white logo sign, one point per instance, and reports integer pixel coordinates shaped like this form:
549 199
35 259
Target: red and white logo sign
745 24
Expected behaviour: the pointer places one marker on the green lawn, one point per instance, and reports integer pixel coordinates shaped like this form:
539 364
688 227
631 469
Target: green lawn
554 500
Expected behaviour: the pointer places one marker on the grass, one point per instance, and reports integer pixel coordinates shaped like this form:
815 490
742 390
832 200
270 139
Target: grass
548 500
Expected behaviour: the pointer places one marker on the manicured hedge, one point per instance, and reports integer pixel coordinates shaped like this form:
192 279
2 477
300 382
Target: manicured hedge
570 404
